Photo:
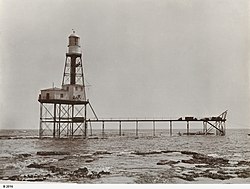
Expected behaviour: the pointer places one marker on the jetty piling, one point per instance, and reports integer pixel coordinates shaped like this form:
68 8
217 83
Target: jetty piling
103 132
120 128
154 128
136 129
171 129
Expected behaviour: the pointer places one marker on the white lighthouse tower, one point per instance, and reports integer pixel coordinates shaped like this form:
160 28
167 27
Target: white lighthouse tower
64 110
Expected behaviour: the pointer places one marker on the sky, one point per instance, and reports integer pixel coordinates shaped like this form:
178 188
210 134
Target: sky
143 58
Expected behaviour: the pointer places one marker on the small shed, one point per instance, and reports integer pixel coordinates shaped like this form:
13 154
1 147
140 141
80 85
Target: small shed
54 94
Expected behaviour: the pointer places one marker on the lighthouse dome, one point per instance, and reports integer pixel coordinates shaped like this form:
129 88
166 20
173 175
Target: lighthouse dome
74 35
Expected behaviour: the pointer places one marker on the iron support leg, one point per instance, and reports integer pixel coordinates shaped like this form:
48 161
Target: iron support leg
205 128
72 126
154 128
187 127
54 123
103 129
59 119
171 129
85 121
136 130
41 119
120 128
91 133
224 127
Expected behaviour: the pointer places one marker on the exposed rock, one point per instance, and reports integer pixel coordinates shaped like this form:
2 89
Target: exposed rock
68 157
191 175
101 153
93 175
221 161
6 137
35 165
104 172
93 137
51 168
64 158
243 173
201 166
164 162
55 169
186 177
28 177
168 151
84 172
165 151
37 179
204 159
89 160
188 152
194 174
15 177
72 175
48 175
52 153
217 176
23 155
221 172
81 171
146 153
86 156
244 163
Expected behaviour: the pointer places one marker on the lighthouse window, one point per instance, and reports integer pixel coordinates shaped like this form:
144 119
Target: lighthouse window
73 41
61 95
76 88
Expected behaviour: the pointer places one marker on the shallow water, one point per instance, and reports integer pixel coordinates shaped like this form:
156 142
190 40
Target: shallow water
124 166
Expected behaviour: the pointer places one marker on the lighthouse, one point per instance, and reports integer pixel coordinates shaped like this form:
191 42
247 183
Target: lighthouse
73 78
63 111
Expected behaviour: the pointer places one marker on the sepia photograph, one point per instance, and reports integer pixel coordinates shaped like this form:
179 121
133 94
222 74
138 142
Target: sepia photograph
124 92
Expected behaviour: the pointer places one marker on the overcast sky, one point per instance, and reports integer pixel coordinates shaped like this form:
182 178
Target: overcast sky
142 58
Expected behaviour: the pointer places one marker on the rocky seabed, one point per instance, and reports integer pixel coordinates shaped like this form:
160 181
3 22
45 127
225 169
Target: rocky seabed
189 167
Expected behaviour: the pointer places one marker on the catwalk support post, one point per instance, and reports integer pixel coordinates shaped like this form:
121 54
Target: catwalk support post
153 128
120 128
171 128
136 129
187 127
103 129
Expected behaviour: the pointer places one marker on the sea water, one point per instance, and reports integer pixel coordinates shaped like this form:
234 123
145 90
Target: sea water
120 160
